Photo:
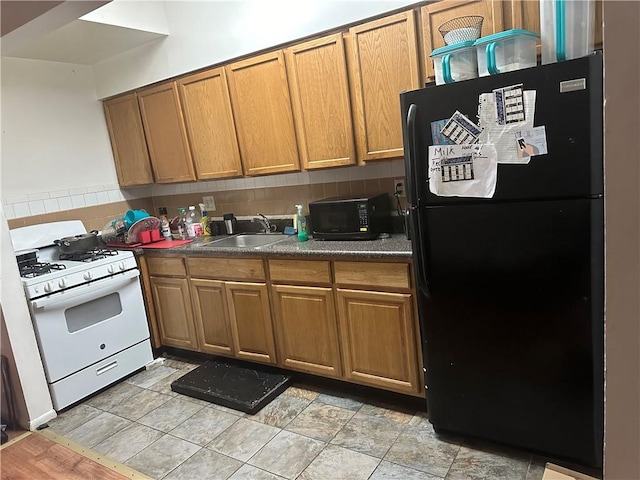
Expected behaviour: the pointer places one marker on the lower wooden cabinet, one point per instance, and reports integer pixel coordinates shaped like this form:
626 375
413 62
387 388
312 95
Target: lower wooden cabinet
212 317
341 319
306 330
173 310
378 339
250 318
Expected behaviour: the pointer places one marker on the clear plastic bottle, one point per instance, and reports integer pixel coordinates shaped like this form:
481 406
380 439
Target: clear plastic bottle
165 228
177 225
192 223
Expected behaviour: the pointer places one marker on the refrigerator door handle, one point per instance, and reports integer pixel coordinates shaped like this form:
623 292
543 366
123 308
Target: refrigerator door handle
412 193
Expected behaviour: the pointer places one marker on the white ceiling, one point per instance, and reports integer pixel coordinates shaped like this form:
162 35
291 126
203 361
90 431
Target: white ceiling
85 42
115 28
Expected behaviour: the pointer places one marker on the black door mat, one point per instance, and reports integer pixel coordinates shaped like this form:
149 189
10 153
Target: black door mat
226 383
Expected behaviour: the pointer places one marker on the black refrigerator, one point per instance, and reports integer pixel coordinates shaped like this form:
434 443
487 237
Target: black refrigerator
511 287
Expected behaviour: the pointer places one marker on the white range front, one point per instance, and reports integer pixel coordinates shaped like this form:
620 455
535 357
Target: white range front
88 314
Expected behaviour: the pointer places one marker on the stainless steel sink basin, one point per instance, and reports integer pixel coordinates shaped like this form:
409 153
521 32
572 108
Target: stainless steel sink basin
247 240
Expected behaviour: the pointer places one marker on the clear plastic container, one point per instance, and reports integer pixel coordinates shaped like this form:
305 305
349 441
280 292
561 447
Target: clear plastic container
455 63
506 51
566 29
192 223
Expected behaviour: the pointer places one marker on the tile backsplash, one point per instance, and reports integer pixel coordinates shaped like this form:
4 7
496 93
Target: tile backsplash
273 195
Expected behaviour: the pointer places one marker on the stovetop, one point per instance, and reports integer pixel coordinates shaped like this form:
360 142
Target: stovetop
64 274
55 271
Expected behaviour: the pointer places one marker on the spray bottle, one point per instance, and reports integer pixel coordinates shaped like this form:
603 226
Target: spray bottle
303 236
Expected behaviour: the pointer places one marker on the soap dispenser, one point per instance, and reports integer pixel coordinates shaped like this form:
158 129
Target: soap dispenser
301 226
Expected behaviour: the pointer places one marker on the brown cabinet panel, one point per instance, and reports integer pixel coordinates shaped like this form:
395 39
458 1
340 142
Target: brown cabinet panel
435 14
384 63
166 134
212 133
227 268
127 141
212 319
320 94
372 274
166 265
173 308
262 113
306 329
300 271
250 318
378 339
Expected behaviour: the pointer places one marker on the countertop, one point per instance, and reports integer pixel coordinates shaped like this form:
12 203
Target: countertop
396 246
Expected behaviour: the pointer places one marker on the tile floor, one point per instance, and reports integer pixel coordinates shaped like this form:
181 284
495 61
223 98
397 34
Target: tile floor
304 434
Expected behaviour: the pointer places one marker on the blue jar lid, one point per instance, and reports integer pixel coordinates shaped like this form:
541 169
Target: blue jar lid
516 32
451 48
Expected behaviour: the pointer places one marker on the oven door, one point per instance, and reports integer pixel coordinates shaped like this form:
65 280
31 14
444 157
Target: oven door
83 325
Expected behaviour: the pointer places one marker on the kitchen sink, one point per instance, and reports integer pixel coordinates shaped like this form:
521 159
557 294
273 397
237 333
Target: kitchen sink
247 240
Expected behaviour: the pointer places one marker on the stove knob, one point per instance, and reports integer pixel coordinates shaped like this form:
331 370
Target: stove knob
48 287
87 276
122 266
62 283
111 269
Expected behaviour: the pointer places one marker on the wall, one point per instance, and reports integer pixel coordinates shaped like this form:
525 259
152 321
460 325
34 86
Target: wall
622 200
56 153
35 407
206 33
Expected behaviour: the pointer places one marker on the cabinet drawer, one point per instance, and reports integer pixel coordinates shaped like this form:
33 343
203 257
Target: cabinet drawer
227 268
167 266
372 274
304 271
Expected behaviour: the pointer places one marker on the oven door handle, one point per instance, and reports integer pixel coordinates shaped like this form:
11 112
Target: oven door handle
86 293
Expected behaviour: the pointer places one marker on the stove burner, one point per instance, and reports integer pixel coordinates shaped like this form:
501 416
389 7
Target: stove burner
88 256
37 269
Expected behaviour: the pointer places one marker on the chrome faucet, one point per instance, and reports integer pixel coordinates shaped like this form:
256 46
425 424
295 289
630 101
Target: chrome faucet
264 223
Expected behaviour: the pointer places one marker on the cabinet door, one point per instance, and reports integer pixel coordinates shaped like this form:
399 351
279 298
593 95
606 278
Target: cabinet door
211 316
306 329
435 14
384 62
321 103
127 141
212 134
165 133
378 339
174 313
251 321
262 112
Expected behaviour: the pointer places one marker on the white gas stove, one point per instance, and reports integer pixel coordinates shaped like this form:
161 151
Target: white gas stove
87 310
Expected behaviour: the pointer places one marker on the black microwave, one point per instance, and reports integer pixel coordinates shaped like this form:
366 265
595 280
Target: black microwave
350 218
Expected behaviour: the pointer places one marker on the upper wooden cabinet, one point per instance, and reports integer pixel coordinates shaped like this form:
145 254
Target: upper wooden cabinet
435 14
212 134
384 62
166 134
127 141
321 105
262 112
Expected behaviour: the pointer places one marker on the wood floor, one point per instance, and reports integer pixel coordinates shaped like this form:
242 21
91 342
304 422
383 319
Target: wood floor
34 456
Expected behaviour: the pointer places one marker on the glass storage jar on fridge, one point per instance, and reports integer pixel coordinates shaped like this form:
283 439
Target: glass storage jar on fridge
506 51
454 63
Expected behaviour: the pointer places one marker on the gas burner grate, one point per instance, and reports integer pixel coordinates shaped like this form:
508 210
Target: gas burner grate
37 269
89 256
